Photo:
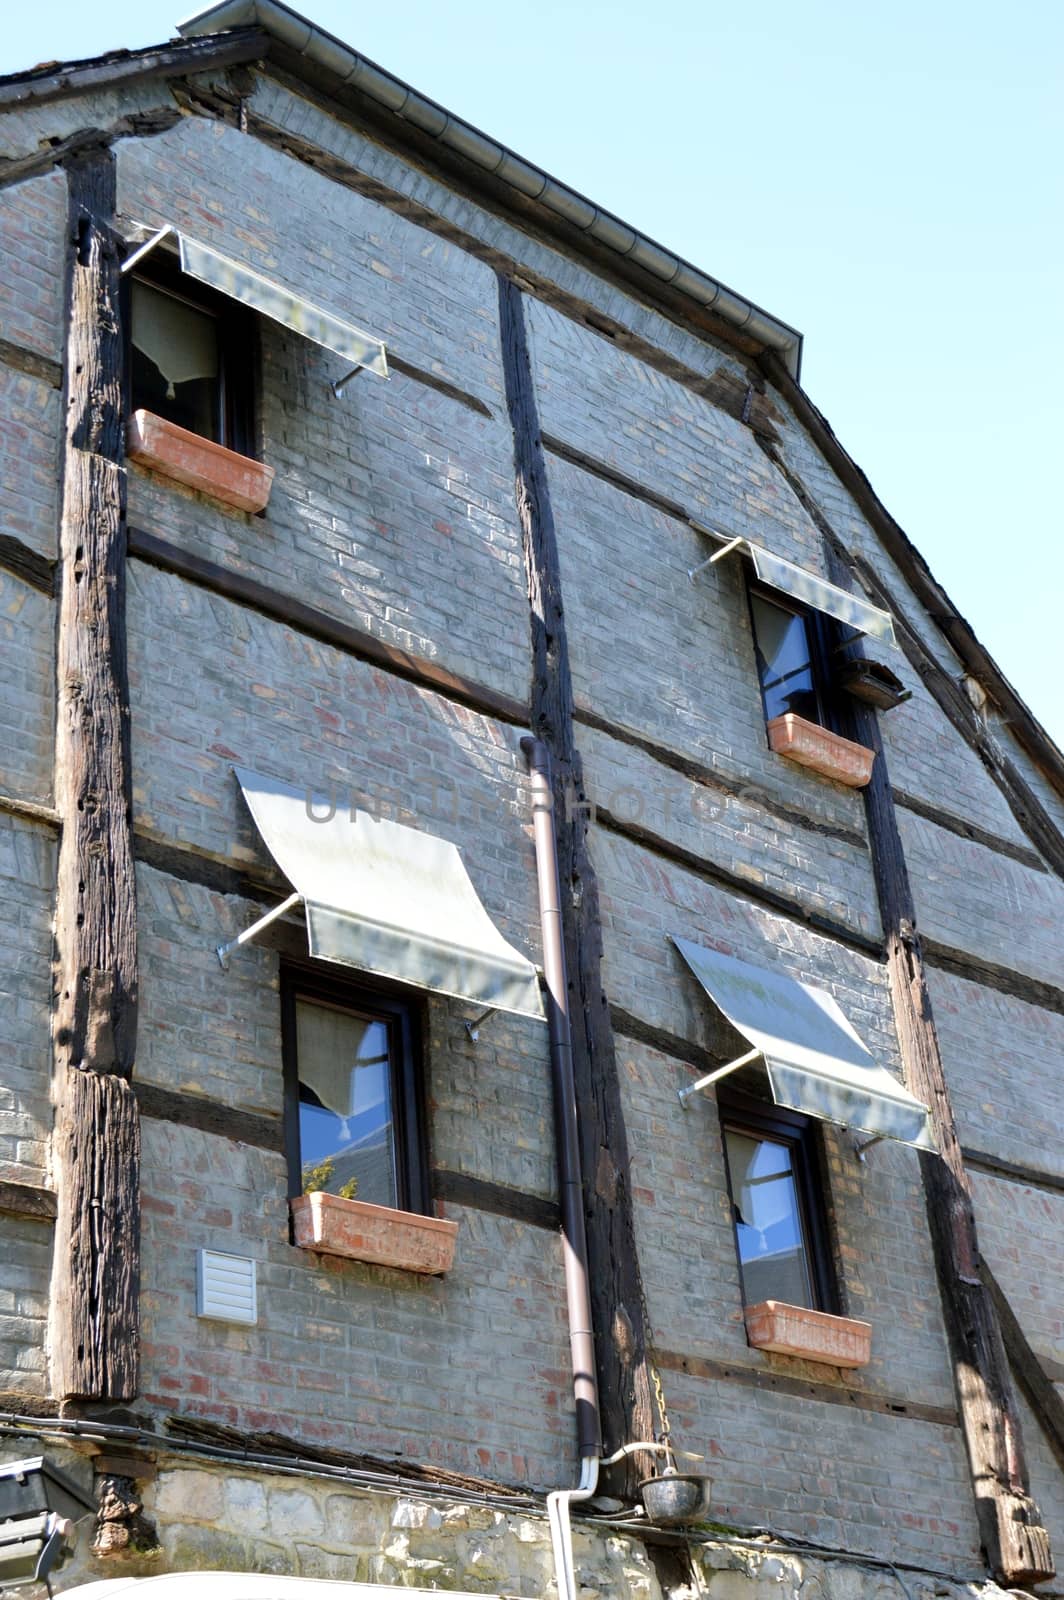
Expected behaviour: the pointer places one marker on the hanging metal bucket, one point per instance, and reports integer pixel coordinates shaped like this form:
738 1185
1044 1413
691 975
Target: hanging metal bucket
676 1497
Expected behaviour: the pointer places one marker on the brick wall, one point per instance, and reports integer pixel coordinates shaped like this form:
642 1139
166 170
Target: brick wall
469 1371
893 1487
392 507
32 233
27 690
687 1243
1002 1060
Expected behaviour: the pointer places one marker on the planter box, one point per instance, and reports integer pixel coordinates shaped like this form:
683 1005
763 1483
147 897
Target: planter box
828 753
200 463
813 1335
337 1227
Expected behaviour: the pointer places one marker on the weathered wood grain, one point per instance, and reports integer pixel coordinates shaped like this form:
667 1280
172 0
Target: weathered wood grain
94 1331
628 1410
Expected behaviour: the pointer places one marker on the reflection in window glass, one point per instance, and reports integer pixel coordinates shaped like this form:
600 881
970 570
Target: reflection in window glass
784 661
346 1134
175 365
768 1222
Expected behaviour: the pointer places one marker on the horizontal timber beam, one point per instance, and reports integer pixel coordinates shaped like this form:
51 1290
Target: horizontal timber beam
31 363
295 613
500 1199
718 782
735 883
961 964
804 1389
969 830
209 1116
27 1200
1014 1171
112 71
33 569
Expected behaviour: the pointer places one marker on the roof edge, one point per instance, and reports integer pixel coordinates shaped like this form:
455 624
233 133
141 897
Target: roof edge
305 38
959 634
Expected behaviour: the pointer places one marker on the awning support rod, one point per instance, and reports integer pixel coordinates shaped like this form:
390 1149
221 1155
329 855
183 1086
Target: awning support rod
711 1077
222 950
341 383
472 1025
156 238
725 550
859 1149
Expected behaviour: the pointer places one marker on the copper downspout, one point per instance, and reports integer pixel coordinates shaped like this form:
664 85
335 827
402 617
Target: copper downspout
574 1243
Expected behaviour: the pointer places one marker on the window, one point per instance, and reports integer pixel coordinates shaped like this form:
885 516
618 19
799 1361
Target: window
190 354
791 659
352 1092
774 1183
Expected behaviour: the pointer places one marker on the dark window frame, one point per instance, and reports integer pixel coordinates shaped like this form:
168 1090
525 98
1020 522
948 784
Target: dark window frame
238 346
743 1113
822 637
358 996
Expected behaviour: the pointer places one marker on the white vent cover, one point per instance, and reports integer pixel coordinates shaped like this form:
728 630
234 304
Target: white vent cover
225 1287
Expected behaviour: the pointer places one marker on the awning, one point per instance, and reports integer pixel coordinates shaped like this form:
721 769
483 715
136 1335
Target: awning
786 578
814 1059
388 899
239 282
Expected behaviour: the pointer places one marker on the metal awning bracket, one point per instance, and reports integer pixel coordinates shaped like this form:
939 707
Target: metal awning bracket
863 1145
473 1025
718 555
149 244
711 1077
341 383
222 950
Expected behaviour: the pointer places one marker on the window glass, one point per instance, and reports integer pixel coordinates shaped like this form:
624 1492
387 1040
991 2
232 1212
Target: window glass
773 1255
175 365
346 1126
784 661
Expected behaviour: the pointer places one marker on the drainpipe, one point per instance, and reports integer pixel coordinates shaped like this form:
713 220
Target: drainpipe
574 1243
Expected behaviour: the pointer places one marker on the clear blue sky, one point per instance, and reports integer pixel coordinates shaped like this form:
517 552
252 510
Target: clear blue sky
886 178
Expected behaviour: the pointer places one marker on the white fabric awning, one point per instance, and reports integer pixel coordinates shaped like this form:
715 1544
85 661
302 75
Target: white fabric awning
281 305
813 1057
388 899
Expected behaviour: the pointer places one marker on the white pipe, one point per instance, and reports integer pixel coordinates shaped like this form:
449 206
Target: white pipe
560 1501
561 1530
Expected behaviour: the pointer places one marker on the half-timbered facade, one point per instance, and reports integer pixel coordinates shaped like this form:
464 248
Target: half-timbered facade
529 924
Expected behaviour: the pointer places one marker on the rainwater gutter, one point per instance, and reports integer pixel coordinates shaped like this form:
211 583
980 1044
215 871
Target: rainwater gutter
356 72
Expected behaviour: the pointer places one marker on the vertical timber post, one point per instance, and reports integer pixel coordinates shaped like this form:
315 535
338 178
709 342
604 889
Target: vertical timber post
94 1341
628 1409
1010 1525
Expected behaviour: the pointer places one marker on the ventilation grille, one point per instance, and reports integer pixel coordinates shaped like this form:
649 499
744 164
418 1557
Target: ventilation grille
225 1287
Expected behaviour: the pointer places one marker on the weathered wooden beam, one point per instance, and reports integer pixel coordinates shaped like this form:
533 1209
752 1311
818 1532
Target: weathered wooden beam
831 1394
27 1200
1043 1397
210 1116
317 624
32 363
1013 1537
628 1409
914 569
33 569
94 1303
969 830
462 1189
788 905
717 782
76 147
1006 980
1015 1171
57 80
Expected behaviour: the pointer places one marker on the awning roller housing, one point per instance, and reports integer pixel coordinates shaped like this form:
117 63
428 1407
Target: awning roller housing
388 899
813 1057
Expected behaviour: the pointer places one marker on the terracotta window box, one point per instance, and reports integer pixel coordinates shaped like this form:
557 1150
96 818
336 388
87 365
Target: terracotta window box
828 753
191 459
813 1335
334 1226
